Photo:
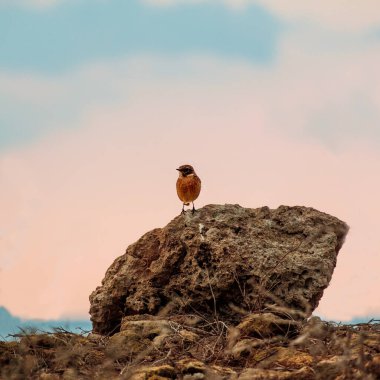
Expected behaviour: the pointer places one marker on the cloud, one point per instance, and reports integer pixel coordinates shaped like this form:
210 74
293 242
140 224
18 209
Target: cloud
338 15
335 14
327 88
60 101
73 199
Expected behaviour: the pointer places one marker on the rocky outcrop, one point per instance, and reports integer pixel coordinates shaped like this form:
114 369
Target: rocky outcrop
224 262
222 294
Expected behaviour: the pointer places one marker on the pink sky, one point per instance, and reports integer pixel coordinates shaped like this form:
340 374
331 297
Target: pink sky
75 199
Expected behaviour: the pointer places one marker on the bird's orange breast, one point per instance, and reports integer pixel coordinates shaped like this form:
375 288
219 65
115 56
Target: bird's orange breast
188 188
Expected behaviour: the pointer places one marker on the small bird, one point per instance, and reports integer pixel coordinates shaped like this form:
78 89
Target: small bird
188 186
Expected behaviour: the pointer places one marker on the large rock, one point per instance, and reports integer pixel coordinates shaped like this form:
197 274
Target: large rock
224 262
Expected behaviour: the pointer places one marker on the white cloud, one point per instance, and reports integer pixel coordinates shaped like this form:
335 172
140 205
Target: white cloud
335 14
329 89
340 15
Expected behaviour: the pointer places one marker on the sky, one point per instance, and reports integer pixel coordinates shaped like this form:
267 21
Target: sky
272 102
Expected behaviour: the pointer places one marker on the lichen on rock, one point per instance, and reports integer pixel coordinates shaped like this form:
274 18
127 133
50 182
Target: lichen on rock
224 260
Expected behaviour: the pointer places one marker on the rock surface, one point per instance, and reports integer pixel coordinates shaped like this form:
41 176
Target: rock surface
225 262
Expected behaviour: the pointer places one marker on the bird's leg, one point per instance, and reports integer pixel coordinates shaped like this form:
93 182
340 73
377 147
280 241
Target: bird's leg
193 210
183 209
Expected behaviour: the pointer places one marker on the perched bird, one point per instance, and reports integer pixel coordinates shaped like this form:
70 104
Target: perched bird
188 186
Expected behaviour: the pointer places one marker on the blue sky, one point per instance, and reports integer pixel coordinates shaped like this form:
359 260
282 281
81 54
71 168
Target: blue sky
74 33
58 39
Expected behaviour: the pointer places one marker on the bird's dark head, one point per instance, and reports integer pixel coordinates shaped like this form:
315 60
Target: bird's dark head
186 170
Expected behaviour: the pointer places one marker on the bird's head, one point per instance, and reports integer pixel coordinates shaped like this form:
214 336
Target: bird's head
186 170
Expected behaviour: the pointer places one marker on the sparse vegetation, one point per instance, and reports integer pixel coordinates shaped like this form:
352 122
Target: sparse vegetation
191 347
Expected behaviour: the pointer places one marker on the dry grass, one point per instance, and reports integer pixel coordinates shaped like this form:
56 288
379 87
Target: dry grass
329 350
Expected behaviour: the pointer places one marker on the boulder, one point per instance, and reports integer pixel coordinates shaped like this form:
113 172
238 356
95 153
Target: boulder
224 262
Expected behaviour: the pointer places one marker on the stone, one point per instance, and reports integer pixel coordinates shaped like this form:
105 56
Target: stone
242 348
186 369
305 373
293 359
148 329
163 372
223 262
191 369
266 325
330 368
188 336
138 336
48 376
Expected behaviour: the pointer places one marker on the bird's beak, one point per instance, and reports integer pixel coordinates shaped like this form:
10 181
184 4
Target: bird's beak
178 170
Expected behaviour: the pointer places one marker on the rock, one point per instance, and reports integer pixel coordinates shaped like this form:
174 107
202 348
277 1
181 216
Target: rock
186 369
163 372
243 348
330 368
224 262
293 359
188 336
190 369
304 373
137 337
48 376
266 325
150 329
285 357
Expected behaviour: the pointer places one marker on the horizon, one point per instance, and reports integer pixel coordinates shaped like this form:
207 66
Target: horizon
100 102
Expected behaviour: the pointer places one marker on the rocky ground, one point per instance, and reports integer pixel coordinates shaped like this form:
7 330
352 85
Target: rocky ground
195 348
226 293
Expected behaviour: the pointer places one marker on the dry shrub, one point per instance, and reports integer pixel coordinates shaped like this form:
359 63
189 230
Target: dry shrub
327 349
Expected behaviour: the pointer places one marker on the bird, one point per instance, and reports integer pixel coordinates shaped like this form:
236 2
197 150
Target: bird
188 186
